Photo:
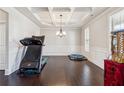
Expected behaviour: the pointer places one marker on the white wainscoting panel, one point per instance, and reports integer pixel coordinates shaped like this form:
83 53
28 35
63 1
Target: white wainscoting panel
96 55
2 46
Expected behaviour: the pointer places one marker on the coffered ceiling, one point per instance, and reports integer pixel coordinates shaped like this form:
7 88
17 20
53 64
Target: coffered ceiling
50 16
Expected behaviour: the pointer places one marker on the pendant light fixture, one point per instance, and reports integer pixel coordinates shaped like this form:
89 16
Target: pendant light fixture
60 33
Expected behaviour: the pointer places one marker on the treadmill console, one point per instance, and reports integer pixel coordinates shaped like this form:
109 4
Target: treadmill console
30 41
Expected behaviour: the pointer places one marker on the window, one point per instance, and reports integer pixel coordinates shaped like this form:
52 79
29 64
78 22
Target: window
117 21
116 24
87 37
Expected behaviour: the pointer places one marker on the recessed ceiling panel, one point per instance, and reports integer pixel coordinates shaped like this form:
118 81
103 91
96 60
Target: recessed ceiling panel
39 9
61 9
71 16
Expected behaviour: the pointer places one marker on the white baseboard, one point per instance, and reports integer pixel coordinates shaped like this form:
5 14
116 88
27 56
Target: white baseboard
56 54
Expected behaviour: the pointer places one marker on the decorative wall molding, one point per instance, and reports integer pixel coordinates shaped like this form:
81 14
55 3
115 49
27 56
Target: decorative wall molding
61 50
96 55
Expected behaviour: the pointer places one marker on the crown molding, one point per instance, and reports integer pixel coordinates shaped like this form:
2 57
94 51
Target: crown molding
65 28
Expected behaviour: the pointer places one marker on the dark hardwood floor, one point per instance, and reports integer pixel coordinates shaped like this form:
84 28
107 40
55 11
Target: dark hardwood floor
59 71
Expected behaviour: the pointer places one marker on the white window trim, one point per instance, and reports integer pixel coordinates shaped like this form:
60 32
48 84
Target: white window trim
87 39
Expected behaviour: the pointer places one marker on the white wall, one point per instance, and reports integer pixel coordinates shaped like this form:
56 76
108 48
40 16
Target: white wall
99 38
3 23
19 27
61 46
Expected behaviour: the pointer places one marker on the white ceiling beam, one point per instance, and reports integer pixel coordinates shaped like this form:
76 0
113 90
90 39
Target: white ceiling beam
88 13
38 18
34 14
84 17
50 9
70 15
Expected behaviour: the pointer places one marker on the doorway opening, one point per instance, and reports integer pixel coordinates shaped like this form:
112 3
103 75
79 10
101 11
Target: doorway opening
3 40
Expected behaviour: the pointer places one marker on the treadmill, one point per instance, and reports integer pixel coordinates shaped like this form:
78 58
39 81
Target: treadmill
32 60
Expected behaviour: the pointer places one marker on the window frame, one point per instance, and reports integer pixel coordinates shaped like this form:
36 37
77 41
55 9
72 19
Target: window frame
87 39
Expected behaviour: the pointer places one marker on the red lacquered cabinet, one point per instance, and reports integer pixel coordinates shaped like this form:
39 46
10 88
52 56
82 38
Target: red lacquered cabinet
114 73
